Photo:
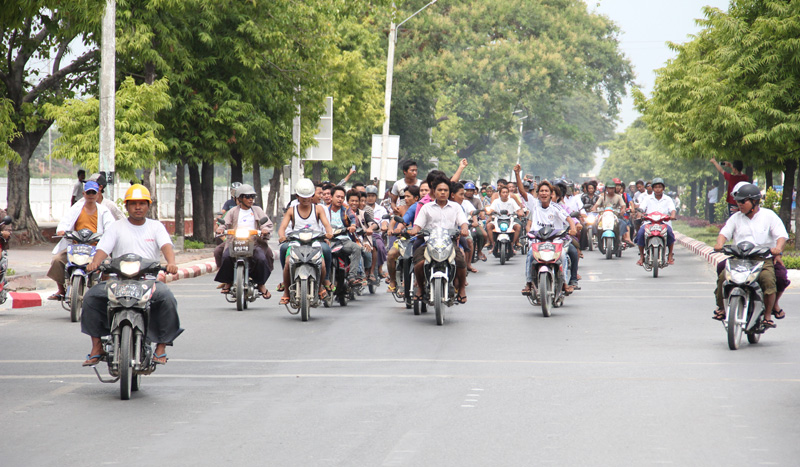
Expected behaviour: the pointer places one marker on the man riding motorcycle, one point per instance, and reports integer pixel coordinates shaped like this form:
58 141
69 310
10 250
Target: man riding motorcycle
662 203
378 213
761 227
503 203
340 218
472 202
148 239
611 199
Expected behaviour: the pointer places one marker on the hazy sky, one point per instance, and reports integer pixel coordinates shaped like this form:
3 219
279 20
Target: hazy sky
647 25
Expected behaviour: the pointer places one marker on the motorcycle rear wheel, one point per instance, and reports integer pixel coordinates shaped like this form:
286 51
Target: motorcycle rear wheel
735 313
304 306
545 297
125 367
76 298
240 295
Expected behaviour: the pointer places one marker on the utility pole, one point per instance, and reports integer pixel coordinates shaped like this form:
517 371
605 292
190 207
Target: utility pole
107 105
50 166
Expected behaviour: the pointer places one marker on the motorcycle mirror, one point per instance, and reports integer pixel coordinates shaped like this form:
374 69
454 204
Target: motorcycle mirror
7 220
220 221
504 212
575 214
263 220
398 219
386 216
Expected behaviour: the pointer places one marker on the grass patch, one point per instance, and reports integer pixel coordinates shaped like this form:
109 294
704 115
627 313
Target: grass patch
707 234
190 244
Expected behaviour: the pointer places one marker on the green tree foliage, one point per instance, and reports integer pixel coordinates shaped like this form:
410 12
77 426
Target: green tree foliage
136 131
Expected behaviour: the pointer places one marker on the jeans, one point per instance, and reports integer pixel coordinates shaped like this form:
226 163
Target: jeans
640 237
353 252
564 263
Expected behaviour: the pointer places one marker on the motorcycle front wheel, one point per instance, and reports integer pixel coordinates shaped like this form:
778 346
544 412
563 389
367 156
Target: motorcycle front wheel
655 257
735 314
239 284
304 306
502 254
608 244
76 298
438 295
545 295
125 367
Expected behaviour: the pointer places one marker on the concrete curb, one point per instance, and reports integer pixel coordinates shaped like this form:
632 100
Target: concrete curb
185 271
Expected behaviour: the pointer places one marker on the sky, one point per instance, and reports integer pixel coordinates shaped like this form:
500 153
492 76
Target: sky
647 25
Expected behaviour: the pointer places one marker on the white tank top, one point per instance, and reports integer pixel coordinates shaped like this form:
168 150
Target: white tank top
312 221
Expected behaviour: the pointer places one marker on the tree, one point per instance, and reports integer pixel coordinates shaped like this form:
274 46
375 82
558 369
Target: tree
33 33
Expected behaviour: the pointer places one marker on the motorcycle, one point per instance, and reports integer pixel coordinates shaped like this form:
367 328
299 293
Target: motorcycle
440 269
129 353
742 295
609 241
4 262
342 291
549 249
588 236
655 242
242 246
79 254
473 232
403 269
503 235
305 270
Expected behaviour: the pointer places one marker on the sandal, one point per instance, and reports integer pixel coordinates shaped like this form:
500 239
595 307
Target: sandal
160 359
57 297
323 294
769 324
719 315
527 289
471 269
391 288
266 294
284 300
280 287
97 359
780 314
461 299
671 260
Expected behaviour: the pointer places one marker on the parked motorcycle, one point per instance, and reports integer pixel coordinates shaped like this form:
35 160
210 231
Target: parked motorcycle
242 246
503 235
4 261
129 351
404 269
305 270
743 297
440 269
609 241
549 249
655 242
80 252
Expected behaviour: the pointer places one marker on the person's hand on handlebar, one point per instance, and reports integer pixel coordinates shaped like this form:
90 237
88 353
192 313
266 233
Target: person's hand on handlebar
172 268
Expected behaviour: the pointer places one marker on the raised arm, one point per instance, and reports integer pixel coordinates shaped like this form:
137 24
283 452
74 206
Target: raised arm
461 166
520 187
719 167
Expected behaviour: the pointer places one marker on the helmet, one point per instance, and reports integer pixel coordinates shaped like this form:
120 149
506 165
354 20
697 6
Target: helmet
527 185
469 186
737 186
245 190
657 181
610 184
617 182
747 191
304 188
137 193
235 185
371 190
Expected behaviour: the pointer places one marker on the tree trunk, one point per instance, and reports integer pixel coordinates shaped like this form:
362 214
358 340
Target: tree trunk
749 172
180 186
18 190
693 198
236 166
789 168
257 184
768 177
797 215
316 171
206 233
274 188
198 213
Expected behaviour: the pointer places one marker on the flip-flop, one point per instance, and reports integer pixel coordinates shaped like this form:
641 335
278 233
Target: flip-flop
99 357
769 324
57 297
718 315
780 314
461 299
266 295
323 294
391 289
163 355
671 261
284 300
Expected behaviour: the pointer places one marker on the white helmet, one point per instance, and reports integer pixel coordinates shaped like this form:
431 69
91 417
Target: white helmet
305 188
738 185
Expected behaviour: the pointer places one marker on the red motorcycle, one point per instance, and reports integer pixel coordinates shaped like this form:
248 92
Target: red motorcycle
549 254
655 242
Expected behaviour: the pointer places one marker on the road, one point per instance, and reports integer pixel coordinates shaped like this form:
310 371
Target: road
631 371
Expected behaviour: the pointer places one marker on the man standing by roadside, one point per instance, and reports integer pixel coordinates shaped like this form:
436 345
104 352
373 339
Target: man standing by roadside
713 197
77 189
399 188
731 179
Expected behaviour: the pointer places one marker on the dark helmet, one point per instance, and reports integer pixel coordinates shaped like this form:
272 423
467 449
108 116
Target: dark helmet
469 186
371 190
747 191
657 181
611 184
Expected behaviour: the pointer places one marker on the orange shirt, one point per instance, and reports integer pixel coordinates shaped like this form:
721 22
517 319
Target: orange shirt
86 221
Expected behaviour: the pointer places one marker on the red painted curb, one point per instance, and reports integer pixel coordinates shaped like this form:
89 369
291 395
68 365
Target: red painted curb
25 299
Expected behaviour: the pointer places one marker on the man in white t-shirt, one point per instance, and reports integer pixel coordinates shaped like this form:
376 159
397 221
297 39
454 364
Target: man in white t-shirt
663 204
399 188
761 227
503 203
148 239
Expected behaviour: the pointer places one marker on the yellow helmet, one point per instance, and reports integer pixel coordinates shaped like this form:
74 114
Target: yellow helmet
138 192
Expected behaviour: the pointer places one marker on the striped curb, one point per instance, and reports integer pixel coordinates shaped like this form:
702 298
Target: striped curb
699 248
188 272
25 299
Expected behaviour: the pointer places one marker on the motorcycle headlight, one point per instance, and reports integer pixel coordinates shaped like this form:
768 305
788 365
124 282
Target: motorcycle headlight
130 268
548 255
79 259
242 234
305 236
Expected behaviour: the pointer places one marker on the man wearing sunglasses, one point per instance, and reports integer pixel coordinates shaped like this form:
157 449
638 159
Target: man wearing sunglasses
86 213
247 216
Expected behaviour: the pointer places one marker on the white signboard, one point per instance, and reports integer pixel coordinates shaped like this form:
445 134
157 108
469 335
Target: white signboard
391 162
323 151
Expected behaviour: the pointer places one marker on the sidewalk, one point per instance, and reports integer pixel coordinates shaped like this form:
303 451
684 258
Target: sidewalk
30 286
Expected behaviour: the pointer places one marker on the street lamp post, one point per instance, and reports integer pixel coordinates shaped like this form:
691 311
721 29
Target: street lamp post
387 107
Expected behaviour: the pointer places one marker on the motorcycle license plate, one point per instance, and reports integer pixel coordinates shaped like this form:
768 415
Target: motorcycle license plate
241 247
129 290
81 250
502 237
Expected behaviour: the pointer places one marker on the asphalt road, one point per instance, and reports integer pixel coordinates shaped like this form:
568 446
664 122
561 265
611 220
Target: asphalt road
631 371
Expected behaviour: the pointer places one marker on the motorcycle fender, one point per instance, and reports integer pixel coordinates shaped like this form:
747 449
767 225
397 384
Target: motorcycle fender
608 233
544 269
441 274
78 272
305 271
134 317
655 241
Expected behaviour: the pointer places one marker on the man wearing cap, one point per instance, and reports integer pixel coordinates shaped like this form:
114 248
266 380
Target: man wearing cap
472 203
247 216
149 239
87 213
101 199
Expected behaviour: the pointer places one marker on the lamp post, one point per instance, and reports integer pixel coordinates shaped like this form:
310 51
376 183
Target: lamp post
387 108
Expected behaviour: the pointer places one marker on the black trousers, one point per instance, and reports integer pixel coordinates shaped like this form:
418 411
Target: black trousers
259 269
163 327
